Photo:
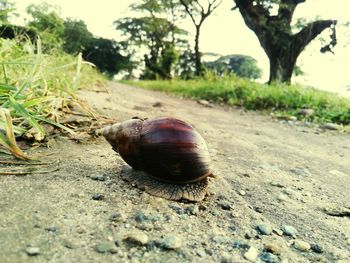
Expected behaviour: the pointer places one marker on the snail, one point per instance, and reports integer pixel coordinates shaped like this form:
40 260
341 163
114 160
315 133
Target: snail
172 154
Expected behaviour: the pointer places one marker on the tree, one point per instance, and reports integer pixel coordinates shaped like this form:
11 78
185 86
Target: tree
13 31
198 13
75 36
47 22
154 32
6 7
275 35
106 55
241 65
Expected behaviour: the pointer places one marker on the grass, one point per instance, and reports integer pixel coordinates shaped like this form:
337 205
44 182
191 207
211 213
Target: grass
281 99
35 88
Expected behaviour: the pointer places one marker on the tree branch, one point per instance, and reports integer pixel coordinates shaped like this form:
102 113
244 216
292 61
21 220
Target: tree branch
188 11
255 16
311 31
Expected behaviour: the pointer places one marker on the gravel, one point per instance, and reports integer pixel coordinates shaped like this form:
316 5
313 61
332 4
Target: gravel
289 230
32 251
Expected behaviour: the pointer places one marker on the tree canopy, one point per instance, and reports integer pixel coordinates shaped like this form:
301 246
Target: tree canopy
157 34
75 36
241 65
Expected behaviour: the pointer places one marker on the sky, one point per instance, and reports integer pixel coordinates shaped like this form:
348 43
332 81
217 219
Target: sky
225 33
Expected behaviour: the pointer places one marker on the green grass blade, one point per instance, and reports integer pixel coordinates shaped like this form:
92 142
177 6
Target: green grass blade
24 113
36 101
40 118
6 87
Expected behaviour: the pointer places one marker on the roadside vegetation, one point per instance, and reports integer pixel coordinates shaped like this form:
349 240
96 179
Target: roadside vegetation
37 89
279 98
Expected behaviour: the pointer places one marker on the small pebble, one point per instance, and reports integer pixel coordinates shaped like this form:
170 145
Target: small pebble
264 229
348 241
277 184
259 209
317 248
300 171
330 126
289 230
176 208
32 251
69 244
205 103
240 244
282 197
107 247
306 112
251 254
226 258
301 245
269 257
219 239
273 248
51 229
137 237
226 206
171 242
157 104
192 210
116 217
201 252
98 197
277 231
100 178
242 192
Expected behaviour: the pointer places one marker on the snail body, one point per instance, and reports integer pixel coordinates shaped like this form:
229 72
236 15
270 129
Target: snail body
172 153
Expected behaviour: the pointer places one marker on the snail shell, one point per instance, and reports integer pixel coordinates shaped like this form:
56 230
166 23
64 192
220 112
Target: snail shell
172 153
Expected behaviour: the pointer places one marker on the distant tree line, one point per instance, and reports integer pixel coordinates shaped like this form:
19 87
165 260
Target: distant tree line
69 35
168 53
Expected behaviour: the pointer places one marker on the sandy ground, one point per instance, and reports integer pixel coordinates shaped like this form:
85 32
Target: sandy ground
273 175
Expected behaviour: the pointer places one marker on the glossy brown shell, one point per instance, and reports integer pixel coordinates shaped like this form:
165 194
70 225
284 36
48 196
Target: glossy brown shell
168 149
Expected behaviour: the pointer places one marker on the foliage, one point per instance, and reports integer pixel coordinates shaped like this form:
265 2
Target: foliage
12 31
46 21
241 65
282 98
106 55
75 36
156 33
185 67
35 88
6 8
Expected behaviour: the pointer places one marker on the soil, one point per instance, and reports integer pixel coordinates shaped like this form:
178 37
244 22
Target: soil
271 174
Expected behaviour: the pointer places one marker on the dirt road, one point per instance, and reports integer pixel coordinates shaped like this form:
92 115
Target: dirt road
282 195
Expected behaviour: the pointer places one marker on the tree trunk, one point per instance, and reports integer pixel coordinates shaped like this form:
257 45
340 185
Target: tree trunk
275 34
283 49
197 54
281 70
282 57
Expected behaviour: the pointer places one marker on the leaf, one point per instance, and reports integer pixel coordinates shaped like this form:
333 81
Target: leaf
18 130
9 141
40 118
36 101
6 87
24 113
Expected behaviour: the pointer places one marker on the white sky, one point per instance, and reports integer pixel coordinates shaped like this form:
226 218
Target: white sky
225 33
